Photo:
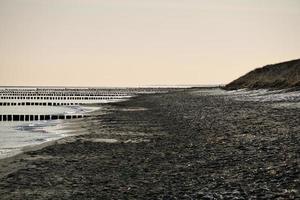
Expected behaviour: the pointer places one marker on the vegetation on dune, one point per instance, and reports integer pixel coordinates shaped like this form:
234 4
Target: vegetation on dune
276 76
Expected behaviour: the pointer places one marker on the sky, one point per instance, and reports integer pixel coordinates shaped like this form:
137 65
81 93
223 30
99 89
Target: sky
143 42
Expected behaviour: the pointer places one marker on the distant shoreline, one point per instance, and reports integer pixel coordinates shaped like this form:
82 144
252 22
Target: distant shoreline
116 87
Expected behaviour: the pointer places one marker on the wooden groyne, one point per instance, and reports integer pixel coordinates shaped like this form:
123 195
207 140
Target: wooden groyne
38 104
22 117
30 104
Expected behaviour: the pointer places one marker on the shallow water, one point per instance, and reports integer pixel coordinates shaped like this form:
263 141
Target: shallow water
16 135
45 110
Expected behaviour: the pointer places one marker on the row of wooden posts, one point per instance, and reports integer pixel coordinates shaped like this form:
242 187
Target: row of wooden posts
39 117
37 104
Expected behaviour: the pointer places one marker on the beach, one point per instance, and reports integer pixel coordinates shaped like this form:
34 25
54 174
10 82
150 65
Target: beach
185 144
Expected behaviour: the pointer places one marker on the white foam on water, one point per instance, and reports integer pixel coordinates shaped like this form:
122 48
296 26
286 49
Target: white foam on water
14 136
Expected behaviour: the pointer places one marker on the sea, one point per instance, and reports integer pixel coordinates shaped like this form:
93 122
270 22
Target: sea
15 136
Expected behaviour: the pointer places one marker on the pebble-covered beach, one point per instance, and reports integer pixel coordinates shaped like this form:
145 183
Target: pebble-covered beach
185 144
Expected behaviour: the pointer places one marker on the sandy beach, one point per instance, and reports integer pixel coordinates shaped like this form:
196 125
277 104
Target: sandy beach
185 144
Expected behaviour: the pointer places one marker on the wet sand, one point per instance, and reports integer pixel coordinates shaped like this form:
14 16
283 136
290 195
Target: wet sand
180 145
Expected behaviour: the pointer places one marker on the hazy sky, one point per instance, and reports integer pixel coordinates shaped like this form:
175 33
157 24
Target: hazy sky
143 42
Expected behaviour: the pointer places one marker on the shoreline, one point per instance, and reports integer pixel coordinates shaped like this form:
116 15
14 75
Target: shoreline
47 127
14 160
74 129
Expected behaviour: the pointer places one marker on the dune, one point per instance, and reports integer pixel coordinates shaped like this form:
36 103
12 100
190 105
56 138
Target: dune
276 76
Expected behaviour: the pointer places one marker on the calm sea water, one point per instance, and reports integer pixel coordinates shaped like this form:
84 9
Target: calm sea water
14 136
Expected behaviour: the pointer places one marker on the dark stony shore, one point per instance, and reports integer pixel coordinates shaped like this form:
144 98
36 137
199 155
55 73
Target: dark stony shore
179 145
